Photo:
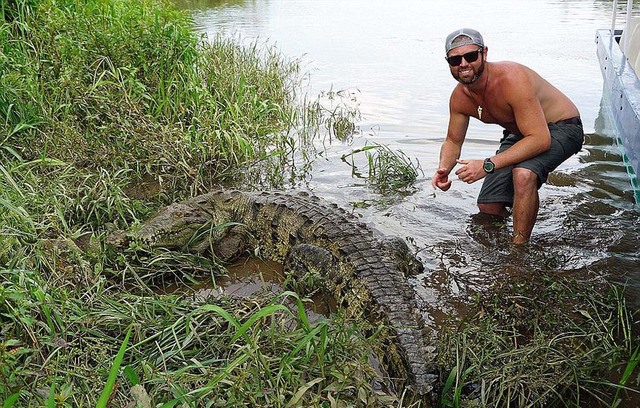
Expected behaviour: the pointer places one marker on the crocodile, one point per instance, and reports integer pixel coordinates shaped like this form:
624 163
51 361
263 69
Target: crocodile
365 270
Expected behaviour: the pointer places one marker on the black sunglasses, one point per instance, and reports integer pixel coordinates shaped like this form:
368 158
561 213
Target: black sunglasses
456 60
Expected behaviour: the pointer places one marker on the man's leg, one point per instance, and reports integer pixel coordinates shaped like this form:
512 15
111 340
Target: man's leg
496 194
525 204
528 176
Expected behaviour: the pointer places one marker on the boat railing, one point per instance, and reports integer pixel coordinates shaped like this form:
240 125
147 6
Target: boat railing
614 16
629 37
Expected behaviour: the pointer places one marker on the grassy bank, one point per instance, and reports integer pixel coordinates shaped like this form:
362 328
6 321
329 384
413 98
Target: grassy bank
127 86
542 339
113 108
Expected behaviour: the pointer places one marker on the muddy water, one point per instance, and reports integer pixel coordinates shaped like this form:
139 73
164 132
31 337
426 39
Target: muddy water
389 56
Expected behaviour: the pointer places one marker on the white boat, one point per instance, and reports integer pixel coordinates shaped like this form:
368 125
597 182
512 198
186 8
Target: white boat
619 55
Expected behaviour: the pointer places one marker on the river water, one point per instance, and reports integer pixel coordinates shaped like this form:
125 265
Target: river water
389 57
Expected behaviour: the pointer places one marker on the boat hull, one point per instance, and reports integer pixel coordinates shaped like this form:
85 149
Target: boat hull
622 86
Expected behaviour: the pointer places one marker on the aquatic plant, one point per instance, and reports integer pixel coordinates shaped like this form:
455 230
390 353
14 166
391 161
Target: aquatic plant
388 171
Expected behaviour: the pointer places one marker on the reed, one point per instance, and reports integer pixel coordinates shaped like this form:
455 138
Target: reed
388 171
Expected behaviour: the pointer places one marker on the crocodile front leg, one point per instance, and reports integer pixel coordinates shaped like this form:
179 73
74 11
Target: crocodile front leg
306 267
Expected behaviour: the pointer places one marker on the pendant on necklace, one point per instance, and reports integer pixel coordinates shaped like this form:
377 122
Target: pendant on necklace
479 112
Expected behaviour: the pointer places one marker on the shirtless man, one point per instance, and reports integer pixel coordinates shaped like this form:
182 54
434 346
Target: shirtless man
542 128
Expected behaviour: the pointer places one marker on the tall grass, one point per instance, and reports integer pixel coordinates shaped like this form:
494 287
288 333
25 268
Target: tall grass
128 85
264 353
108 109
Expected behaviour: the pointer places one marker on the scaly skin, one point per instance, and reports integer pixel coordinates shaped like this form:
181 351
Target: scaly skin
366 278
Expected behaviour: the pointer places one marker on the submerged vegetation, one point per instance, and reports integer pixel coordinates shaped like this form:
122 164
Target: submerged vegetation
110 109
388 170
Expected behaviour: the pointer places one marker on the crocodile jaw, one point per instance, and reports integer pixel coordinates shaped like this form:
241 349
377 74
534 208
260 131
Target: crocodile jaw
173 227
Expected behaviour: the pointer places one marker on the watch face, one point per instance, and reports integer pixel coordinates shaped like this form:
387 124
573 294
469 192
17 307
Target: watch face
488 166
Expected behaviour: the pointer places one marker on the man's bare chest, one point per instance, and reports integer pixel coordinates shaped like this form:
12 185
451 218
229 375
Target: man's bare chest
490 112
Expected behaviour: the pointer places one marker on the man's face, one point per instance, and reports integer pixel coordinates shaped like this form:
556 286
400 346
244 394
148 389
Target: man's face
463 70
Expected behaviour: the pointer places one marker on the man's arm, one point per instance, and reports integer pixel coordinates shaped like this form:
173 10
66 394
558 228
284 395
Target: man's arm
451 147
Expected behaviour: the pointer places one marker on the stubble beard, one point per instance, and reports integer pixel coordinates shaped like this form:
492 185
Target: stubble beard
476 74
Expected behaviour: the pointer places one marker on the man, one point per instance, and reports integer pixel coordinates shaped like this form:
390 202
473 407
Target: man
542 128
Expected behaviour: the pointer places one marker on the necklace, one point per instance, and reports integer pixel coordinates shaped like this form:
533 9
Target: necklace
482 98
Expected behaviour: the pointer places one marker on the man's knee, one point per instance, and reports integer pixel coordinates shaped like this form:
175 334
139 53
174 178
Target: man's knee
498 209
524 178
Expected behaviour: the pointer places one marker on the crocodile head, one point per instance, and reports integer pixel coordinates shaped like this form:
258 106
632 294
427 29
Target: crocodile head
173 227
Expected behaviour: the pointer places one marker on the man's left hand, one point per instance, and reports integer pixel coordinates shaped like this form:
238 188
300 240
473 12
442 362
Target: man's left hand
471 170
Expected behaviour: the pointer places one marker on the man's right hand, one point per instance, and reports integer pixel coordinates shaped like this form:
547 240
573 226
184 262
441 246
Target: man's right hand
441 180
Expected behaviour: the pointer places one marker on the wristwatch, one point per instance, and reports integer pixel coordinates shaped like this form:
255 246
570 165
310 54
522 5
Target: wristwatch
488 166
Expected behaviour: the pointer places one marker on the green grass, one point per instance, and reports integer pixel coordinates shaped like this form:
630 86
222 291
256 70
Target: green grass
176 349
388 171
542 342
129 86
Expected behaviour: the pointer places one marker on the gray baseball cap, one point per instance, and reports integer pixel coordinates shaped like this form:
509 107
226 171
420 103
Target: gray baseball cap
473 37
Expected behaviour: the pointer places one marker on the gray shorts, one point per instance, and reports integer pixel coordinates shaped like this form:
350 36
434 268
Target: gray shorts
567 137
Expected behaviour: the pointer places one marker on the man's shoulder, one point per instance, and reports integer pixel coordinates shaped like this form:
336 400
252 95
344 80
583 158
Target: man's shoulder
512 76
460 92
509 67
513 70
